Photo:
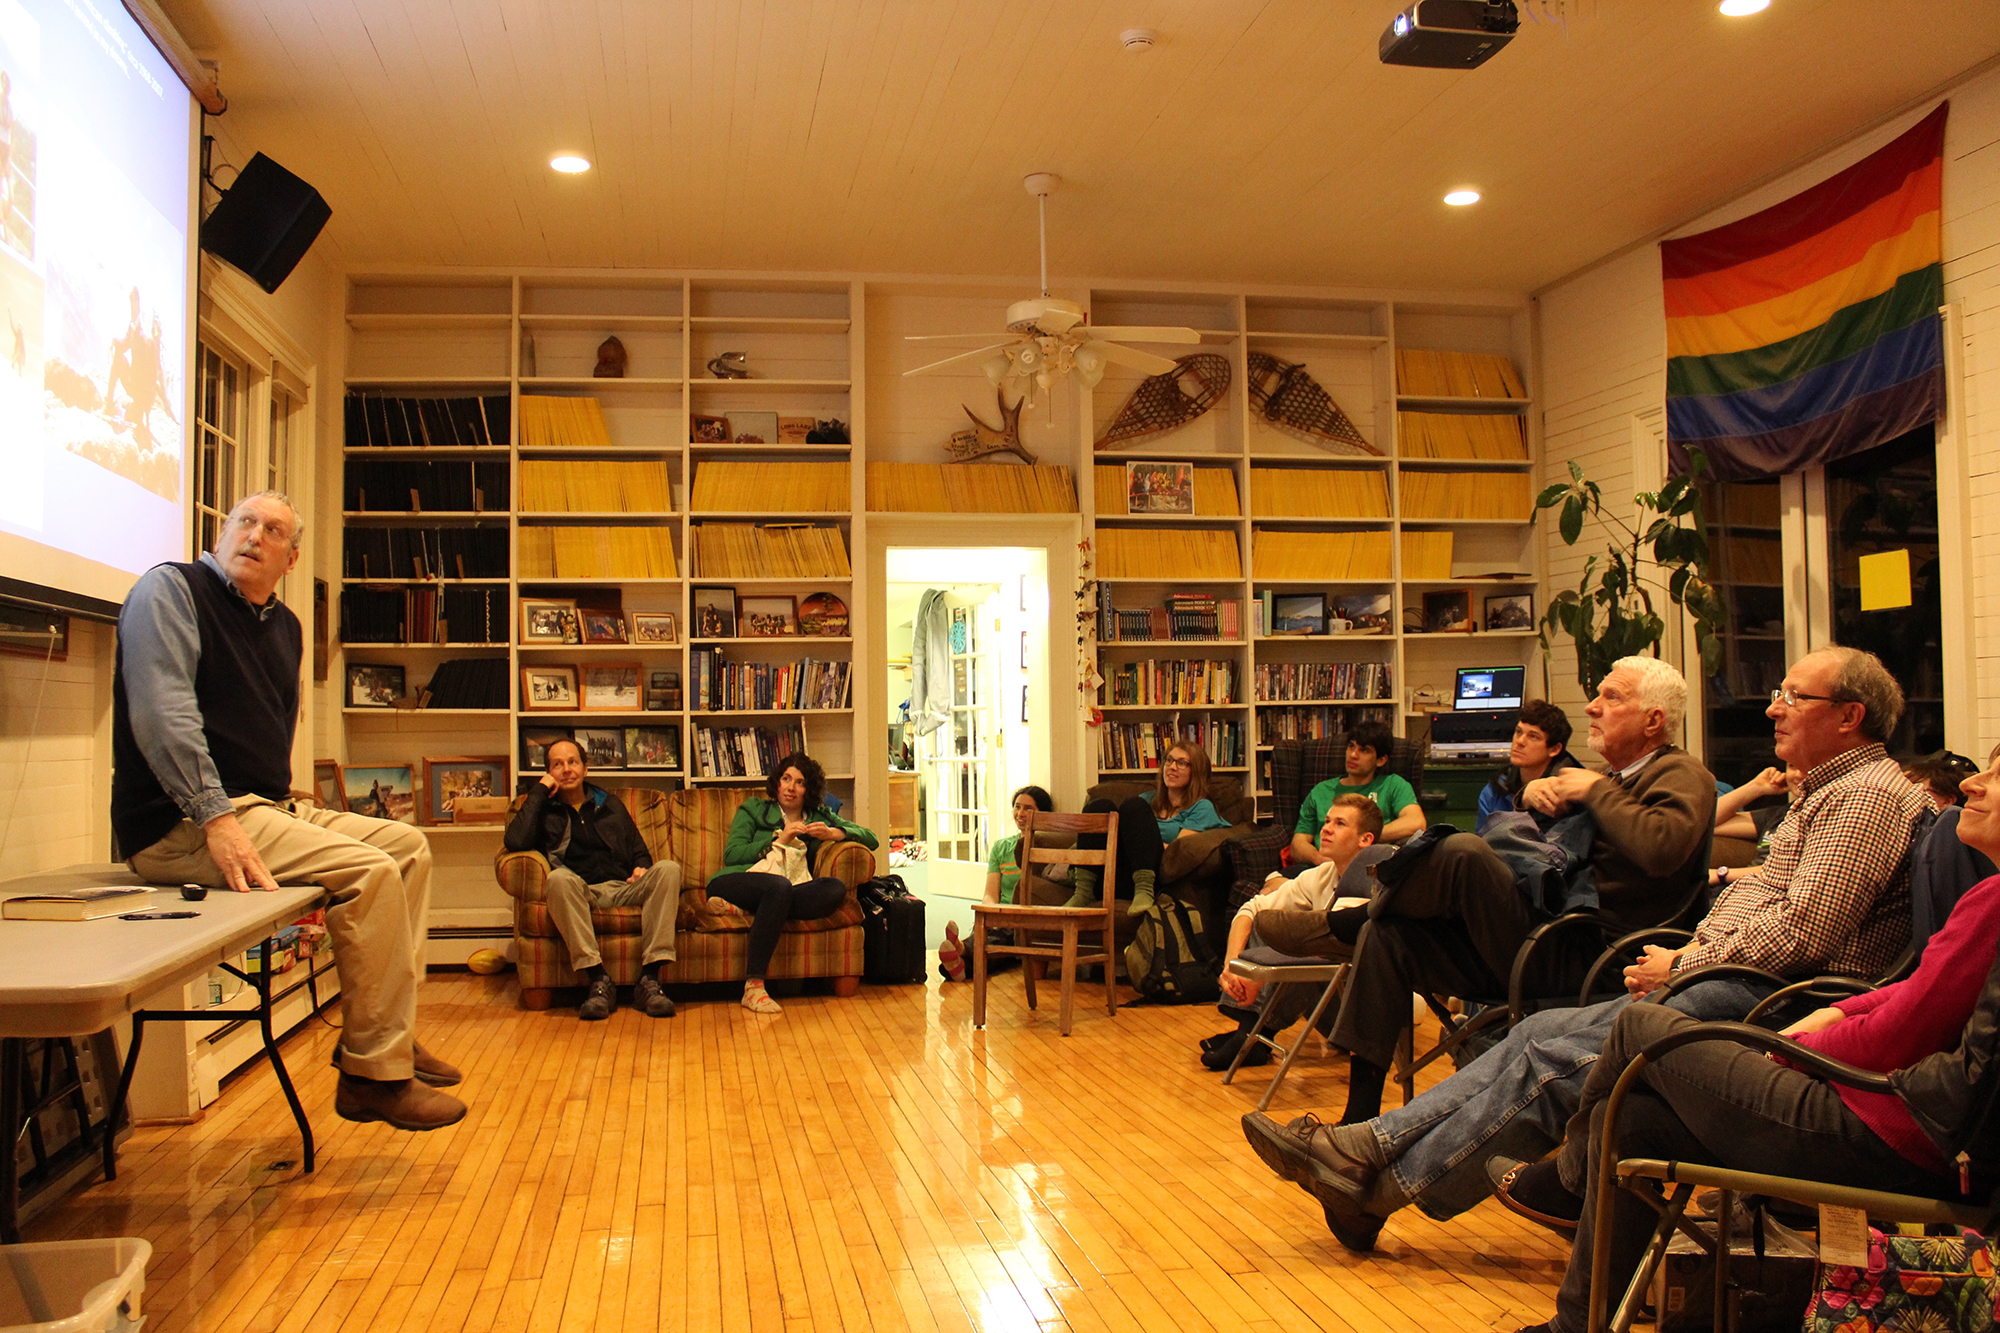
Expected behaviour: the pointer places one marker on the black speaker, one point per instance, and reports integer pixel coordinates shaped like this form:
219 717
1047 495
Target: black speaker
265 223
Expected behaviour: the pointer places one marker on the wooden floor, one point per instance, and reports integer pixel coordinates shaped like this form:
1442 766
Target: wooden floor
868 1163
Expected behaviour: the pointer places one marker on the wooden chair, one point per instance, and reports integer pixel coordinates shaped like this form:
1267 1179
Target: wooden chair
1025 918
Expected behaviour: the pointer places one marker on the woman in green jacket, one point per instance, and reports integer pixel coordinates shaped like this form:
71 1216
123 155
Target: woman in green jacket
767 863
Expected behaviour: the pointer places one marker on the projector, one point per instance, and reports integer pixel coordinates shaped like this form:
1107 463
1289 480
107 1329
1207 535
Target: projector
1449 34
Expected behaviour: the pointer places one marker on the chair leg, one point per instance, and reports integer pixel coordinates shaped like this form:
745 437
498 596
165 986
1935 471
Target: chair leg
1406 1061
1068 974
1292 1052
978 972
1111 978
1031 972
537 998
1256 1033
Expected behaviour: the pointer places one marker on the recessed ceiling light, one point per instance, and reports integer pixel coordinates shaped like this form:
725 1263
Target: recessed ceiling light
569 163
1460 198
1737 9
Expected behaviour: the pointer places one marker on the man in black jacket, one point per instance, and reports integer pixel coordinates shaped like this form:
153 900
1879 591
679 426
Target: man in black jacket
597 858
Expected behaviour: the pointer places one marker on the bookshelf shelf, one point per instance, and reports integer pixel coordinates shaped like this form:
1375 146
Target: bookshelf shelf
1419 402
600 323
770 385
374 516
1465 465
769 712
424 583
427 382
594 384
425 648
573 453
560 517
1172 708
766 324
368 322
1357 340
419 451
423 712
766 640
606 649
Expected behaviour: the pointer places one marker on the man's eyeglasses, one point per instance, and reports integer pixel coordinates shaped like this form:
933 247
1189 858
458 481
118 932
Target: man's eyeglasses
1791 698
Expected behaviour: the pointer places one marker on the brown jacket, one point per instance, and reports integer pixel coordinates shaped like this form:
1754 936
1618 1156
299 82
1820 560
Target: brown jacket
1653 833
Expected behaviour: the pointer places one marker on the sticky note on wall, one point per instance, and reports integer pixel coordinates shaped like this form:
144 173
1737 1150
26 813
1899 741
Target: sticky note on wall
1885 580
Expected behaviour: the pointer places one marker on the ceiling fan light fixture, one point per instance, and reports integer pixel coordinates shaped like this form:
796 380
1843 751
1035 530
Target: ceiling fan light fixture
1090 365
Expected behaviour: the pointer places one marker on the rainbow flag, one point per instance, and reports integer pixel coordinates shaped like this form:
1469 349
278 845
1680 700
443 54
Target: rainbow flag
1810 331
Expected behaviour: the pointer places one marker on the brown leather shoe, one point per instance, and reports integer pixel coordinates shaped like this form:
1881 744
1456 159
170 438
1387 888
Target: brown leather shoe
438 1073
405 1103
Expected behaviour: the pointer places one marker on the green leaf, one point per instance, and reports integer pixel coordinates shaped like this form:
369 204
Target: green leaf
1677 585
1551 494
1572 520
1575 472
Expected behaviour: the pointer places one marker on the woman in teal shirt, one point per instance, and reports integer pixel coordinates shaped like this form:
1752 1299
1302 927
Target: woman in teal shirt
1180 807
791 814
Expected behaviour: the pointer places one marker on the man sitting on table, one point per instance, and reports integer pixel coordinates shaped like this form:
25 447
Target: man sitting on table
597 858
1367 750
204 697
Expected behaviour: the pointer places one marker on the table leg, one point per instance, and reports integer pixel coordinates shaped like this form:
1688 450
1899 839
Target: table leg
263 983
117 1106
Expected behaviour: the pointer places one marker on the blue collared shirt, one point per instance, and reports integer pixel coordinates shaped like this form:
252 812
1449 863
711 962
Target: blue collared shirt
161 647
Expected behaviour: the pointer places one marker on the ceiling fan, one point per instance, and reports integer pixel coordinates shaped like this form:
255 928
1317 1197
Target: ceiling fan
1051 338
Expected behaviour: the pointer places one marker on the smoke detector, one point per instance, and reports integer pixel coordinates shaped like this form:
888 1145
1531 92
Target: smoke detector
1137 40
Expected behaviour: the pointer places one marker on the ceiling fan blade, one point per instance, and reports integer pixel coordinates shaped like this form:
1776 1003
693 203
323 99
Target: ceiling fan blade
1133 357
1145 333
938 337
954 360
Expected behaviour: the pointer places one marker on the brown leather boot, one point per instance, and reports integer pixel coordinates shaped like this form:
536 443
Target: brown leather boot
405 1103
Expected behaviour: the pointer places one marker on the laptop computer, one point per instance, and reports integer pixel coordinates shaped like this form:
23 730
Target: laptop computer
1486 703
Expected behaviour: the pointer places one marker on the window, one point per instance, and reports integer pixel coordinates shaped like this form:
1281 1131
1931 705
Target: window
219 422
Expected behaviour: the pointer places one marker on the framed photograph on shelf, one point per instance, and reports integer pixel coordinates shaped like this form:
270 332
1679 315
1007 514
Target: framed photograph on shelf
1159 488
385 791
653 747
546 621
1448 612
611 687
535 743
752 427
654 627
824 615
326 785
445 780
603 747
1298 613
374 686
766 617
1515 611
714 612
548 689
1359 613
603 627
709 430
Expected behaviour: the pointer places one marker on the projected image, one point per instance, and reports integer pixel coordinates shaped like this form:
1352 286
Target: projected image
113 371
96 191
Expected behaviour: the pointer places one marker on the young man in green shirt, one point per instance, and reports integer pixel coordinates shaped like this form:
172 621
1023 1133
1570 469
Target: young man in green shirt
1367 748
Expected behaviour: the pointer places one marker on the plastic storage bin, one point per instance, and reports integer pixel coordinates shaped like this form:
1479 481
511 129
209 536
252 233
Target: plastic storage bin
73 1286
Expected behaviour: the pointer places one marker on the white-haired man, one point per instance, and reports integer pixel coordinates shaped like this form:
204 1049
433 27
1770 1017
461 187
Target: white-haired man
1455 925
205 695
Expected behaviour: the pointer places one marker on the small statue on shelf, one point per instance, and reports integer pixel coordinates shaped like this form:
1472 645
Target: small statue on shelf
610 360
730 366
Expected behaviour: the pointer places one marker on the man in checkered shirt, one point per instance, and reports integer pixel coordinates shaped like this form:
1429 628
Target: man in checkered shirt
1832 897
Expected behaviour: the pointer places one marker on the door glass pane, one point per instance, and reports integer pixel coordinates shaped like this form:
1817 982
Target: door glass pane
1885 501
1742 519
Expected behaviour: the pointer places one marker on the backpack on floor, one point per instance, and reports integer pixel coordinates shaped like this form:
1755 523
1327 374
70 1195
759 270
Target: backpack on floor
892 933
1168 960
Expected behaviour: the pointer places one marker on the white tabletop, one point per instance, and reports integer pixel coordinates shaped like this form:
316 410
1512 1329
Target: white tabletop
69 978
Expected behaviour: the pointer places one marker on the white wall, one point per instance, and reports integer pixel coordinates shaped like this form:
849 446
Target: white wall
1603 337
55 718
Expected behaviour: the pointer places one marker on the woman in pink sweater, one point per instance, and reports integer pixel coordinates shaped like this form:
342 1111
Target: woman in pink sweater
1725 1104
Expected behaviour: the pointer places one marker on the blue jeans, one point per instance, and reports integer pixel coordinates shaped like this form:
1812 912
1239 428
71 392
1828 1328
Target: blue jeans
1515 1100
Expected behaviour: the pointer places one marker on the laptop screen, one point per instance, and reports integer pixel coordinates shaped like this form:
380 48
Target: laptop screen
1489 689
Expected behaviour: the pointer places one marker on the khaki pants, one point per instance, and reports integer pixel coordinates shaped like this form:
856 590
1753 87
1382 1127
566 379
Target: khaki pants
658 892
378 879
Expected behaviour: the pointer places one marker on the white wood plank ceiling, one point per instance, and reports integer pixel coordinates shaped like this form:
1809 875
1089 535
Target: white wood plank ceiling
1259 141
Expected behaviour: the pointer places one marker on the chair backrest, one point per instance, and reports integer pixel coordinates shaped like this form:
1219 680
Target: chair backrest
1942 868
1299 766
1040 851
649 811
698 820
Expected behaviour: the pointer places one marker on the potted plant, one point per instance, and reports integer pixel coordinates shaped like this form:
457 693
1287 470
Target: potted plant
1612 612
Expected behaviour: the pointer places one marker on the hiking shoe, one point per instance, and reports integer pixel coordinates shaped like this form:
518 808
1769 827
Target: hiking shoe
1351 1224
597 1005
1309 1149
650 996
1534 1190
404 1103
1224 1054
438 1073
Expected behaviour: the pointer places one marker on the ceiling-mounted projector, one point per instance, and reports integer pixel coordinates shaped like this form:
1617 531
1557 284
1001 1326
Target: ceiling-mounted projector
1449 34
